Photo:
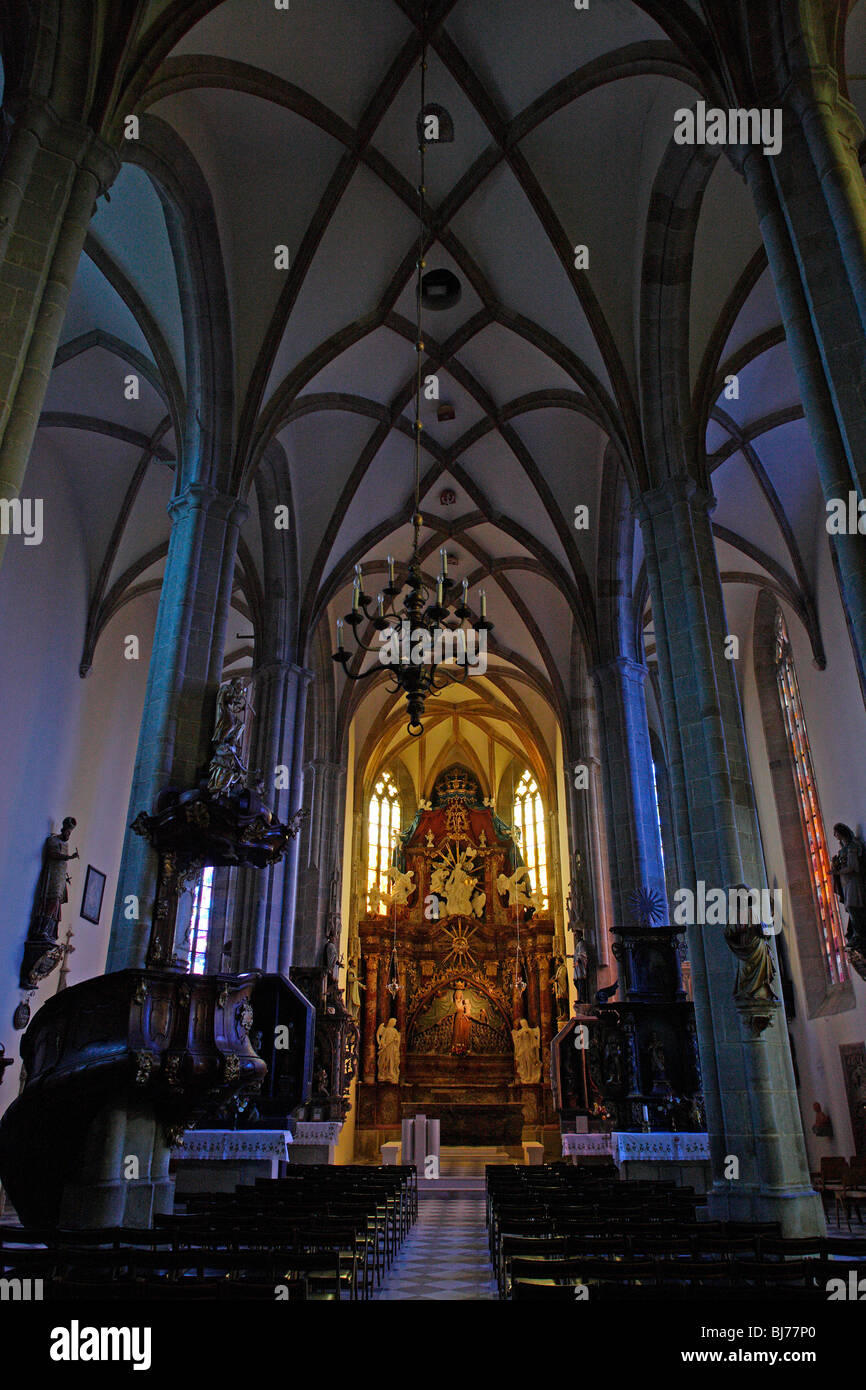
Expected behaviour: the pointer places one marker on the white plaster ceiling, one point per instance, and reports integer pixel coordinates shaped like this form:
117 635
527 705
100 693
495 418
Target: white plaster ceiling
321 157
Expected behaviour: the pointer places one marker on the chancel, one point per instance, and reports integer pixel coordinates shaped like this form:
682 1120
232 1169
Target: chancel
432 477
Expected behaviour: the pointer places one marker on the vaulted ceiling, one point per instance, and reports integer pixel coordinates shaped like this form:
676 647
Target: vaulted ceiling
302 125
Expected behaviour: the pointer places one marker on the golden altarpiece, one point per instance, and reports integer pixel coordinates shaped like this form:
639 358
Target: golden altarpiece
458 953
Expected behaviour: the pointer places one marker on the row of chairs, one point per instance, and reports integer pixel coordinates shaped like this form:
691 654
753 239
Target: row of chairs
845 1181
322 1233
562 1237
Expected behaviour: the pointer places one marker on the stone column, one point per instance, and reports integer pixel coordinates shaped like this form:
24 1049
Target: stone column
265 921
811 203
53 172
185 671
751 1102
532 993
371 996
634 847
319 853
545 1013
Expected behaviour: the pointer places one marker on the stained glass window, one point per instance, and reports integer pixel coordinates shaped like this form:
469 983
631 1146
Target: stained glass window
832 936
199 922
529 819
383 826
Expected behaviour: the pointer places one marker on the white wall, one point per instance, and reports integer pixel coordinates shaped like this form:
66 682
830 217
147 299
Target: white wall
68 744
836 725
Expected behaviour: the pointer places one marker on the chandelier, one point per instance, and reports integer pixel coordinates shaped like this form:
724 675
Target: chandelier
429 643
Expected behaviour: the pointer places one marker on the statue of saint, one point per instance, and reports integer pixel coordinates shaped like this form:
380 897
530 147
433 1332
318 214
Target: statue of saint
756 969
527 1059
580 964
52 884
849 880
461 1028
559 985
331 958
353 990
227 769
612 1062
388 1043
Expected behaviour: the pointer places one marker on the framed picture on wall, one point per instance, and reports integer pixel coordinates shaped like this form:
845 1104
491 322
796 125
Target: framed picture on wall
94 887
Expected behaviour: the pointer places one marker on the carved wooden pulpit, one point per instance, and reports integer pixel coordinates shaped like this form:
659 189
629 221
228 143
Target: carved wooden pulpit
458 955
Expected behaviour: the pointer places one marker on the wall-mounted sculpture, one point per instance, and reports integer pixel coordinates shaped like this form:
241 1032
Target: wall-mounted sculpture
42 951
754 996
849 882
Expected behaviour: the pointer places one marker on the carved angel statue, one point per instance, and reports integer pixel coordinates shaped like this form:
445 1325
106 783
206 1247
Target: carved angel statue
538 900
517 890
227 769
527 1060
388 1044
402 888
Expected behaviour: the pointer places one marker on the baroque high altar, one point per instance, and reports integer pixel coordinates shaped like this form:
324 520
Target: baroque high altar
471 954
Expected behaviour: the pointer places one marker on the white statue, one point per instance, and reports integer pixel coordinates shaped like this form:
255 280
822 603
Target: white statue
388 1042
452 880
402 888
517 890
227 770
527 1059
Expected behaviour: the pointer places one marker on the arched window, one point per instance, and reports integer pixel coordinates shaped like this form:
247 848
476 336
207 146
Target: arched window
383 827
199 922
832 937
528 817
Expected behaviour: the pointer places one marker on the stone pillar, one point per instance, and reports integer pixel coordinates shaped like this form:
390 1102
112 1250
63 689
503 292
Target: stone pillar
751 1102
545 1013
319 854
370 1022
185 671
264 928
811 203
532 1000
634 847
53 172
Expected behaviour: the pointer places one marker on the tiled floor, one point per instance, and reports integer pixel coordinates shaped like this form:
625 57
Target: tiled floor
445 1255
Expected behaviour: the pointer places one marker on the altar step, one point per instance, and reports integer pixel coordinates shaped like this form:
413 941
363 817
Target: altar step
461 1173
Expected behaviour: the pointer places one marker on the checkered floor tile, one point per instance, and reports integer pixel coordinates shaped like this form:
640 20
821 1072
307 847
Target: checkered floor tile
445 1255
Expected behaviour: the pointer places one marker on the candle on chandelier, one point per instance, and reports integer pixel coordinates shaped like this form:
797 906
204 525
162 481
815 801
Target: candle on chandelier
339 634
380 606
443 556
465 599
483 597
356 594
439 584
391 570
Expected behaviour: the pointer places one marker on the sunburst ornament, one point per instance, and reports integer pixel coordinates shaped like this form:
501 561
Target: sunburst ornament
647 906
460 937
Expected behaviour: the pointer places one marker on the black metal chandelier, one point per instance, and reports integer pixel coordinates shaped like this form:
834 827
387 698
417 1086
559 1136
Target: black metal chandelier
422 626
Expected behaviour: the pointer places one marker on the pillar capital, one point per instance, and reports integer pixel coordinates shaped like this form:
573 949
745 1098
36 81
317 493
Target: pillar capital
198 496
69 139
622 667
817 86
270 670
675 491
